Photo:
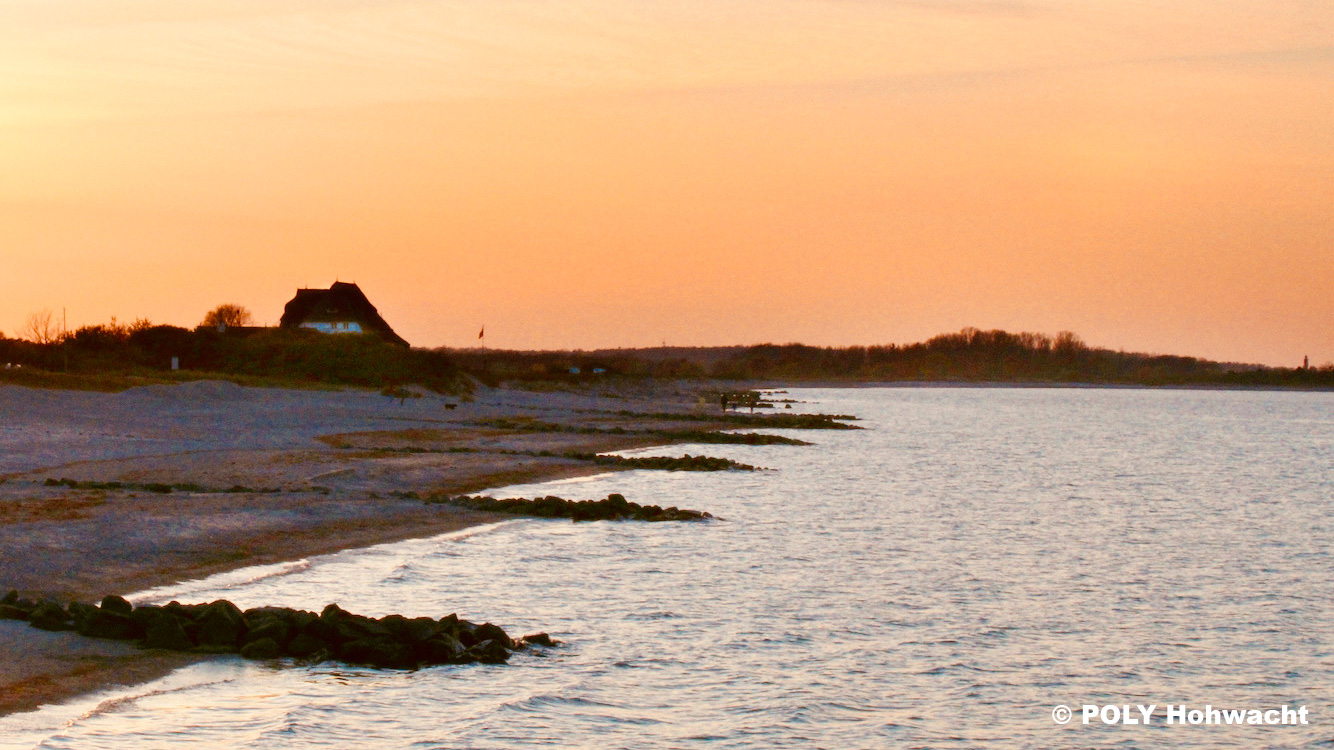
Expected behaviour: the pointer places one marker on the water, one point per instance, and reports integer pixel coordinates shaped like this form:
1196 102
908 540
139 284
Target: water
942 579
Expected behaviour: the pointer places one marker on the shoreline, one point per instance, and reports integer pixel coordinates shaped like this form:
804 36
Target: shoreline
1029 385
325 485
52 671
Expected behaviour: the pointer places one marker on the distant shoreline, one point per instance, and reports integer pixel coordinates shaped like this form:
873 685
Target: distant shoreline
769 385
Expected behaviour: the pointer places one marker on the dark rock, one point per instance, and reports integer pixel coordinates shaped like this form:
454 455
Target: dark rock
358 627
322 630
113 625
299 619
378 652
221 625
145 615
304 645
332 612
261 615
82 613
50 616
117 604
488 632
185 611
440 649
263 648
168 631
489 652
410 631
10 612
466 632
539 639
278 631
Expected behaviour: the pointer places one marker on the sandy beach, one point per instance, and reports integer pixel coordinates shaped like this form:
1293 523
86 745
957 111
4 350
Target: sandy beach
256 476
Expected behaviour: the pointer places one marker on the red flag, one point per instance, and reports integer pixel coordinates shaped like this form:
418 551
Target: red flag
482 332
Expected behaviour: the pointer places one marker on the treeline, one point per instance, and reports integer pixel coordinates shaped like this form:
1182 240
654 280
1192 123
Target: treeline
278 354
971 355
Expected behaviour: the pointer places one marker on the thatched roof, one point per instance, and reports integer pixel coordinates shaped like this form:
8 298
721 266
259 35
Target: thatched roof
342 302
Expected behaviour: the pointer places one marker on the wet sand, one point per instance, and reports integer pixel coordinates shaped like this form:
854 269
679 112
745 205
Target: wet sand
258 476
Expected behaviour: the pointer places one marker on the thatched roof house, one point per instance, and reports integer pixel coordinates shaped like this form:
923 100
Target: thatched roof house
342 308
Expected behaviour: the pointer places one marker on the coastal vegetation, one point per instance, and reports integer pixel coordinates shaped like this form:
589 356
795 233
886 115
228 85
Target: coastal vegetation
968 356
116 355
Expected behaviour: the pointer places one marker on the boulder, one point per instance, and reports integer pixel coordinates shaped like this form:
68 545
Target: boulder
378 652
440 649
303 645
323 631
301 618
168 632
113 625
538 639
351 627
82 613
10 612
488 652
116 604
49 615
466 632
187 612
263 648
488 632
145 615
411 631
221 625
278 631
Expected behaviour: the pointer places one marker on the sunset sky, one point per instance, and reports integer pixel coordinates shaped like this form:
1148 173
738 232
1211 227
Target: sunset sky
1155 176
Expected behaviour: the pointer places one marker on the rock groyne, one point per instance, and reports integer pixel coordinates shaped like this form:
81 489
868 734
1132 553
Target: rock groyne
220 627
613 508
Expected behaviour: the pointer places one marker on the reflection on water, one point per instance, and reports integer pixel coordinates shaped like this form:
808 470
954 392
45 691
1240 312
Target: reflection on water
942 579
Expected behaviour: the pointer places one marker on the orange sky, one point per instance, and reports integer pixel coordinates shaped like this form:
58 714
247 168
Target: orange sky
591 173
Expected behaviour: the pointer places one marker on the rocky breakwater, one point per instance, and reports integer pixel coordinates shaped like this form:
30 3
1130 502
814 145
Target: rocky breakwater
613 508
220 627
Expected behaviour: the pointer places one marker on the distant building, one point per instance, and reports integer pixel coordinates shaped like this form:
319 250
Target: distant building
342 308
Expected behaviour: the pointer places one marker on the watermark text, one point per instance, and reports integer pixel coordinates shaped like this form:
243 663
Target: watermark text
1127 714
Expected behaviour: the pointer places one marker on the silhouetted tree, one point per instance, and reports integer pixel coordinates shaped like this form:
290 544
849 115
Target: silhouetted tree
228 315
41 328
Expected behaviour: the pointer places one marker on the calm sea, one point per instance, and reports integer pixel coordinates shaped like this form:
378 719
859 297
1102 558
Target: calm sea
943 579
